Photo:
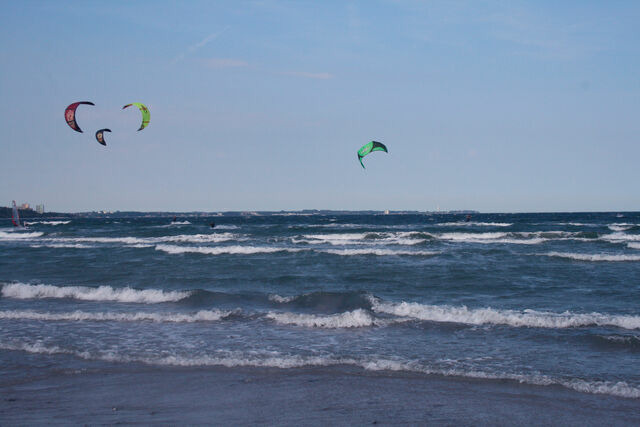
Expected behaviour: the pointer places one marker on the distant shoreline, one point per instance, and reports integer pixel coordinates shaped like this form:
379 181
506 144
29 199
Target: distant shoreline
5 212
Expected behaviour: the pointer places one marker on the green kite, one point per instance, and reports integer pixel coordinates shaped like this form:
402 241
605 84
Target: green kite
146 116
368 148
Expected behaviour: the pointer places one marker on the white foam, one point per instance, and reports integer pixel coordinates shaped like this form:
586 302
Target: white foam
593 257
621 237
370 238
200 316
63 245
19 235
335 239
473 224
101 293
350 319
221 250
621 226
379 252
276 360
633 245
199 238
524 318
489 238
128 240
281 300
47 222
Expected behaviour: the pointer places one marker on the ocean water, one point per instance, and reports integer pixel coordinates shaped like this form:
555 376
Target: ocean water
548 300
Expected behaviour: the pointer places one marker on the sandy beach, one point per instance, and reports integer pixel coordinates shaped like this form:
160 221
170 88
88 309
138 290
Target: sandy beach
310 396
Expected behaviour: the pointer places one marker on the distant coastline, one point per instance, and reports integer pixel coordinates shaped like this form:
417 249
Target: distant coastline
5 212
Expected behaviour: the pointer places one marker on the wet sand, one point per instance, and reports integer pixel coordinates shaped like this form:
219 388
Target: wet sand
310 396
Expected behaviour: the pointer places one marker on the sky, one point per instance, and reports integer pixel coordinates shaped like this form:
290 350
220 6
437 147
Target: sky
497 106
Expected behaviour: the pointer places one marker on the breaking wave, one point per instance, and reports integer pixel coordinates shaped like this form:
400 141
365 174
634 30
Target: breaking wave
283 361
483 316
379 252
47 222
371 238
593 257
183 238
473 224
200 316
85 293
62 245
19 235
222 250
621 237
491 238
350 319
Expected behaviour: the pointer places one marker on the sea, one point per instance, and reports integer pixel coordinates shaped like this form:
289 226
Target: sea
550 301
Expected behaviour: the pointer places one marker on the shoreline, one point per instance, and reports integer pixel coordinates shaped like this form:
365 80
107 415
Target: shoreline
298 396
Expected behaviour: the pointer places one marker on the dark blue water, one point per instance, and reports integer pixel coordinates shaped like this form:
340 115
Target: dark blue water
542 299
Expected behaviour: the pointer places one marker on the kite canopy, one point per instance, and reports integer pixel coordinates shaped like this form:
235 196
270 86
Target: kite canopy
70 115
370 147
100 136
145 113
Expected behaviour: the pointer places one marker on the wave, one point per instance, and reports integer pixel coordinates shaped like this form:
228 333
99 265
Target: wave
84 293
288 361
371 238
490 238
630 342
47 222
473 224
350 319
279 299
622 226
222 250
621 237
633 245
130 240
19 235
200 316
62 245
483 316
593 257
379 252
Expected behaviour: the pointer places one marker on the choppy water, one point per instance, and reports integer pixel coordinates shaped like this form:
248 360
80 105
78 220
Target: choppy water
543 299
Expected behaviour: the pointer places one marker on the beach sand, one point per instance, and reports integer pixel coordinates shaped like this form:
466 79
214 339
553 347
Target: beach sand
309 396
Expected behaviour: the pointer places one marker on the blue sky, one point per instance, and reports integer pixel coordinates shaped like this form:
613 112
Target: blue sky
262 105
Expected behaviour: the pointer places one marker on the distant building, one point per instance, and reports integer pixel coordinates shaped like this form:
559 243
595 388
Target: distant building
24 206
40 209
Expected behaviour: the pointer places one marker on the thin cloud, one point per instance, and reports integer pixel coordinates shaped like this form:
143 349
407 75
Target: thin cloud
321 76
224 63
200 44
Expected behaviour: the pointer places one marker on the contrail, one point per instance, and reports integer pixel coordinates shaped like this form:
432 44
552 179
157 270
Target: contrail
200 44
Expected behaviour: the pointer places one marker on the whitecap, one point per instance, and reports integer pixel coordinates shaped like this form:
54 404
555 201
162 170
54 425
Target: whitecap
379 252
222 250
200 316
524 318
593 257
350 319
85 293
